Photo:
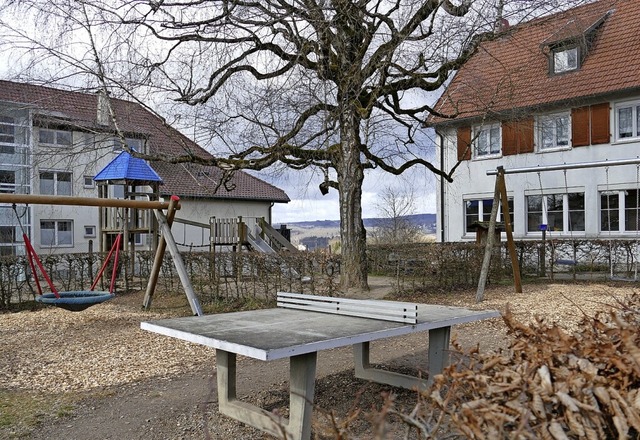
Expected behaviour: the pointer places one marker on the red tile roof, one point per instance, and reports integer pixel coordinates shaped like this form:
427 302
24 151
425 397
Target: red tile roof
512 72
186 180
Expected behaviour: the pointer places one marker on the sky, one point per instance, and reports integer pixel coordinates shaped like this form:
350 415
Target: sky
307 203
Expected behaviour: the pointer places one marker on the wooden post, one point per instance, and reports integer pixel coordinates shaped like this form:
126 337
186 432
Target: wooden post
157 261
177 261
488 249
517 280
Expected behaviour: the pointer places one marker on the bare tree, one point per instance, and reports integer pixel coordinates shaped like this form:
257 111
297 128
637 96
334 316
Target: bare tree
339 86
394 206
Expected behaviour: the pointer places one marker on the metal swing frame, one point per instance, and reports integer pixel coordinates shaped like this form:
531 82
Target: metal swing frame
568 166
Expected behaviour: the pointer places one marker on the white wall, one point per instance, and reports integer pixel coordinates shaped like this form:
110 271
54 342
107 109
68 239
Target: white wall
471 182
201 210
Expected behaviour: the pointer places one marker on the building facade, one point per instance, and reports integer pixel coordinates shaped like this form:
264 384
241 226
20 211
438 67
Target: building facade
555 91
54 142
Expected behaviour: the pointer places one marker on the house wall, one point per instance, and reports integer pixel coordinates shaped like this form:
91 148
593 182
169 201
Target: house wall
201 210
83 157
472 182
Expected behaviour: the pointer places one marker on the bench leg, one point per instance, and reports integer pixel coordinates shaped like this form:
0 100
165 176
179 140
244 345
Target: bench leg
302 387
438 360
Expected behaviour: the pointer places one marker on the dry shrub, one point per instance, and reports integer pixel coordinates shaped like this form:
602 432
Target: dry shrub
549 384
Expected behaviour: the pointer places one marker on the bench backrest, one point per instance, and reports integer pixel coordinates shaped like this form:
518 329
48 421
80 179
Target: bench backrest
375 309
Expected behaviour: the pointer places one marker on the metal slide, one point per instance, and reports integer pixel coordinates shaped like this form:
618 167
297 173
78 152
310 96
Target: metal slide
260 245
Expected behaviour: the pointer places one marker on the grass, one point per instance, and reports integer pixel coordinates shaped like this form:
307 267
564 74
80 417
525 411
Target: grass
21 412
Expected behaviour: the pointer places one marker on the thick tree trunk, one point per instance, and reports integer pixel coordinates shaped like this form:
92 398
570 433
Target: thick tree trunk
352 232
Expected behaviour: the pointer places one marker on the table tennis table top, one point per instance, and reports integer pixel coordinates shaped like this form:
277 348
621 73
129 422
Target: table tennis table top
277 333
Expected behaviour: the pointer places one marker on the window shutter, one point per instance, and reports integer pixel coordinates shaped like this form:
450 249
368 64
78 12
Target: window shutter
600 130
525 136
509 138
517 137
464 143
580 127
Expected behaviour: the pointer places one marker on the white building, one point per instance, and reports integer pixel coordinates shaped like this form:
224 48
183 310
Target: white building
55 141
562 89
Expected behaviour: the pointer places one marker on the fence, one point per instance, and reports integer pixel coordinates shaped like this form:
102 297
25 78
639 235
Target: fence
231 275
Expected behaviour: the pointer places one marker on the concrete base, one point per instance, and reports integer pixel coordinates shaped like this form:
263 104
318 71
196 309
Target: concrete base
302 374
438 359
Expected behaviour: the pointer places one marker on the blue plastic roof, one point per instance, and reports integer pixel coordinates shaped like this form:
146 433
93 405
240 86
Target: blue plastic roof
126 167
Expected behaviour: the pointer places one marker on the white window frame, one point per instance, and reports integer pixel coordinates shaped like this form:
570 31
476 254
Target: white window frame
56 233
56 186
621 210
56 137
89 231
566 214
89 182
8 121
482 215
483 132
635 120
5 187
562 62
553 119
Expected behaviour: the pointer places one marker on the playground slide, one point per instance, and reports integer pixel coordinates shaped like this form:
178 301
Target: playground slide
260 245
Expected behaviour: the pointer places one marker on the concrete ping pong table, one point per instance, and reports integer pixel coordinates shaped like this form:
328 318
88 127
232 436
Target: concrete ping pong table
300 327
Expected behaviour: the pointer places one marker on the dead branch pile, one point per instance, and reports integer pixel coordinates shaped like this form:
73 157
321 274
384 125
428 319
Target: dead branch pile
550 384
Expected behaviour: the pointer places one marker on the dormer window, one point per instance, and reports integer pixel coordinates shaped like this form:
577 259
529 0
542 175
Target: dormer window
565 59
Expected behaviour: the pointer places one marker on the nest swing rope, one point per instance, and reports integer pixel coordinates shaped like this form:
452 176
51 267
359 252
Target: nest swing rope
76 300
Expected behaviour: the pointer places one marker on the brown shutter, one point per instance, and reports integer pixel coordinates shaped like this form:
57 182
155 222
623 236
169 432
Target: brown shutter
525 136
600 131
464 143
580 127
509 138
517 137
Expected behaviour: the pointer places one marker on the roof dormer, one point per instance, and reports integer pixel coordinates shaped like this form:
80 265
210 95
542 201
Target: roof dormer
568 47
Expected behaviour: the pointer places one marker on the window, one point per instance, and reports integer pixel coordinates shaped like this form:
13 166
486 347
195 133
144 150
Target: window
90 231
554 131
88 182
627 120
55 183
55 137
487 140
480 211
7 182
56 233
140 239
7 130
560 212
7 240
617 205
565 59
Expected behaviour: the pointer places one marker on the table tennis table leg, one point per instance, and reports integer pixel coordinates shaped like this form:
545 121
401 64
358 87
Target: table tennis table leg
302 372
438 360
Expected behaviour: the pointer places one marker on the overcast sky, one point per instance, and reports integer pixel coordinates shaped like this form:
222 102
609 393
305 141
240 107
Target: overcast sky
307 203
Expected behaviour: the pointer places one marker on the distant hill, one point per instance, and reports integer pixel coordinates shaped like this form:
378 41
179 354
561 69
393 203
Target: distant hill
427 222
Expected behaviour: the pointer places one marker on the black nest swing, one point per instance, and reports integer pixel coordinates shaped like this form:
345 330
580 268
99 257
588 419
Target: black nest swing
77 300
